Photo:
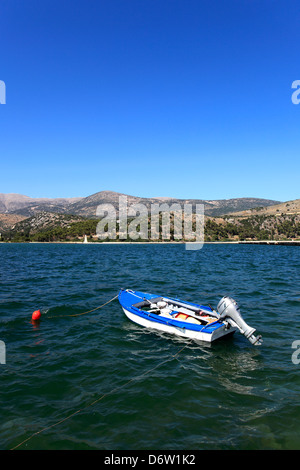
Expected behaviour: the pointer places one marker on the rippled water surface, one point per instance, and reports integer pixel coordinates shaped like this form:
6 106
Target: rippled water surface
98 381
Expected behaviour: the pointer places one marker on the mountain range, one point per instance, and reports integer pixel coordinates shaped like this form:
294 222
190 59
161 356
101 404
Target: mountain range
40 219
25 206
28 206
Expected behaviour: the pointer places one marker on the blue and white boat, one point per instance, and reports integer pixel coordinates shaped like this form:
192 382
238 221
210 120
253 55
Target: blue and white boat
186 319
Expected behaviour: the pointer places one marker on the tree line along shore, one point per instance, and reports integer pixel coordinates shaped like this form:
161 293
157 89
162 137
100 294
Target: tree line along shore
60 228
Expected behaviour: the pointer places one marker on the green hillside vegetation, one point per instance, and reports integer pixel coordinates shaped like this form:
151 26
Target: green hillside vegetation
227 228
254 228
72 232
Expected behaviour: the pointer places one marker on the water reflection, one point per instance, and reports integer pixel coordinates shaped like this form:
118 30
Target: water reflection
235 369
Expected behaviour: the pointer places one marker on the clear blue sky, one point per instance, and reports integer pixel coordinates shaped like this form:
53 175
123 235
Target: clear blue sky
181 98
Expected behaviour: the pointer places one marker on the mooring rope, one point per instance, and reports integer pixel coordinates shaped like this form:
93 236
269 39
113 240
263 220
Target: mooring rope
83 313
101 397
97 308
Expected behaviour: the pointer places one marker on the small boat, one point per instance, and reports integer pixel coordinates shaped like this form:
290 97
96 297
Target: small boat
186 319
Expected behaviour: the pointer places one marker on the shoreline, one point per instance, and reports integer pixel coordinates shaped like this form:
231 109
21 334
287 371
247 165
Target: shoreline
234 242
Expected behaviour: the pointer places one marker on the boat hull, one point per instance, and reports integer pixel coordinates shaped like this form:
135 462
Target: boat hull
209 333
179 331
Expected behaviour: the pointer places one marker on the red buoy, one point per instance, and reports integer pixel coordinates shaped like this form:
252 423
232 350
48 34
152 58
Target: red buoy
36 315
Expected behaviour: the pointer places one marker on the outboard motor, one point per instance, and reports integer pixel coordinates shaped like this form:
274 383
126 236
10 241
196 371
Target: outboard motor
229 311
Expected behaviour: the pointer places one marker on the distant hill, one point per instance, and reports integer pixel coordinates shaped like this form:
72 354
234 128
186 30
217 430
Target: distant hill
289 208
49 226
8 221
87 206
25 206
28 206
45 221
276 222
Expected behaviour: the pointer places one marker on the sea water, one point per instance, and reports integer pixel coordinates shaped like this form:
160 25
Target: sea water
99 381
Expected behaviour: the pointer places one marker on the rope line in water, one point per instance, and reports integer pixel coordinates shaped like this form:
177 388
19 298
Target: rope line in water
97 308
101 397
83 313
